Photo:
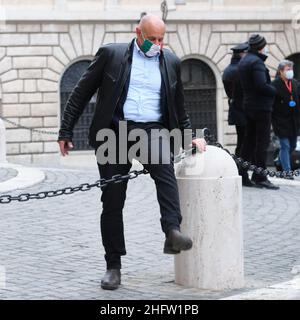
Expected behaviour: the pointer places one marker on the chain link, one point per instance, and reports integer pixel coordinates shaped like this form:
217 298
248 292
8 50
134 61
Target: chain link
4 199
33 129
249 166
27 128
118 178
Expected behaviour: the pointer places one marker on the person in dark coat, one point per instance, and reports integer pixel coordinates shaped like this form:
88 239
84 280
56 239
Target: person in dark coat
286 112
258 99
233 88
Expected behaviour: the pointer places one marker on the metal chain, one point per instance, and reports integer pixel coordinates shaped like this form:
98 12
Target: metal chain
24 127
4 199
246 165
36 130
118 178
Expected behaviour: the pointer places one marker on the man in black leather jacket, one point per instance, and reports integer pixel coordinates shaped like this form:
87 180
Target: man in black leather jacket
258 98
123 78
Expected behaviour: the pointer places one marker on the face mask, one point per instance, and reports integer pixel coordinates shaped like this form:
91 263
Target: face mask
289 74
150 49
266 50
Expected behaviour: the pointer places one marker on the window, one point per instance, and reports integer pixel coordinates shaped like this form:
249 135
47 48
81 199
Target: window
68 82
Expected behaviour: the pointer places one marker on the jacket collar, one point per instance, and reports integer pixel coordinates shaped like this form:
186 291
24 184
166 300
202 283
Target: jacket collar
282 82
129 51
235 60
263 57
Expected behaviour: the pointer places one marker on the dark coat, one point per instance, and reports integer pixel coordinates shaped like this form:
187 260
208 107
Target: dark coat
109 73
258 93
286 120
234 91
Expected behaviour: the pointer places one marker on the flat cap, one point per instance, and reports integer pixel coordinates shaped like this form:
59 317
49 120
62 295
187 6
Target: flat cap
242 47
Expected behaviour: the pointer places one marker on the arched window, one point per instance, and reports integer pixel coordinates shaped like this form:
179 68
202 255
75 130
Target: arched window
68 82
296 59
200 94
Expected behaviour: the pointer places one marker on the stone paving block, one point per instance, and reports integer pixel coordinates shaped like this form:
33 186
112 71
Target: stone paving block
52 247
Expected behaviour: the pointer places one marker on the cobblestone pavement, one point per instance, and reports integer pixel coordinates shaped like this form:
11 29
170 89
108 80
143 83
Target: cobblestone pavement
7 173
51 248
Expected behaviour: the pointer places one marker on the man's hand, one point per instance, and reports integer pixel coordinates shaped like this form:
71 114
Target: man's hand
200 143
65 146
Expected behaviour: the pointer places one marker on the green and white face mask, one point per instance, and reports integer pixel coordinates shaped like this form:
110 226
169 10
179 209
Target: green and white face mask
150 49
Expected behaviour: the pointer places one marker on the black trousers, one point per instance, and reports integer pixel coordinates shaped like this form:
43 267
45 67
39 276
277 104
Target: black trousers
240 131
256 141
114 195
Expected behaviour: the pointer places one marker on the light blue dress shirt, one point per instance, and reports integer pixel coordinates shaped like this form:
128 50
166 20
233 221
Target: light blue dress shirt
143 98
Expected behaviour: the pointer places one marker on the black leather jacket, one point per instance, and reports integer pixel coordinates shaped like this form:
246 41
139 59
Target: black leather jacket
109 73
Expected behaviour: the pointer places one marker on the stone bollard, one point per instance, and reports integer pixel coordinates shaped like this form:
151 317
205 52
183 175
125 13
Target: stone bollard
210 192
2 142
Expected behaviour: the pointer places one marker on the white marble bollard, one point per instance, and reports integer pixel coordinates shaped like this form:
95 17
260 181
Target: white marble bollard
210 192
2 142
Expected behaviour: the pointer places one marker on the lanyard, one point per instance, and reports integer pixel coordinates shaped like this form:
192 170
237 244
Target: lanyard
289 86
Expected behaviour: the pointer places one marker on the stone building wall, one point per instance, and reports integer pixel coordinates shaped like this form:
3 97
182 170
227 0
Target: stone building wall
34 55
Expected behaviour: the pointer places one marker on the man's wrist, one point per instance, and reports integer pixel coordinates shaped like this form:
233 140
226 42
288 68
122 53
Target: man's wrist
65 135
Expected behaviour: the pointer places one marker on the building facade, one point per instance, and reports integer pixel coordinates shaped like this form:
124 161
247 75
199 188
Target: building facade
46 46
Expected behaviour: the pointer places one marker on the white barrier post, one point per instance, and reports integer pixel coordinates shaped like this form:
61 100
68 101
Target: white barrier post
2 142
210 192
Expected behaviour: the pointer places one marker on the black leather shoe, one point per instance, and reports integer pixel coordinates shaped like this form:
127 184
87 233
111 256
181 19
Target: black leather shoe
266 184
247 183
111 279
176 241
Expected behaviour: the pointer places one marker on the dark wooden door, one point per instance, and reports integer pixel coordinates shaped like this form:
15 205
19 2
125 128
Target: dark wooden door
68 82
200 94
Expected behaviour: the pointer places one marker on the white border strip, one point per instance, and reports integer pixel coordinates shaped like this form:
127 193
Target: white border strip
25 178
289 290
285 182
